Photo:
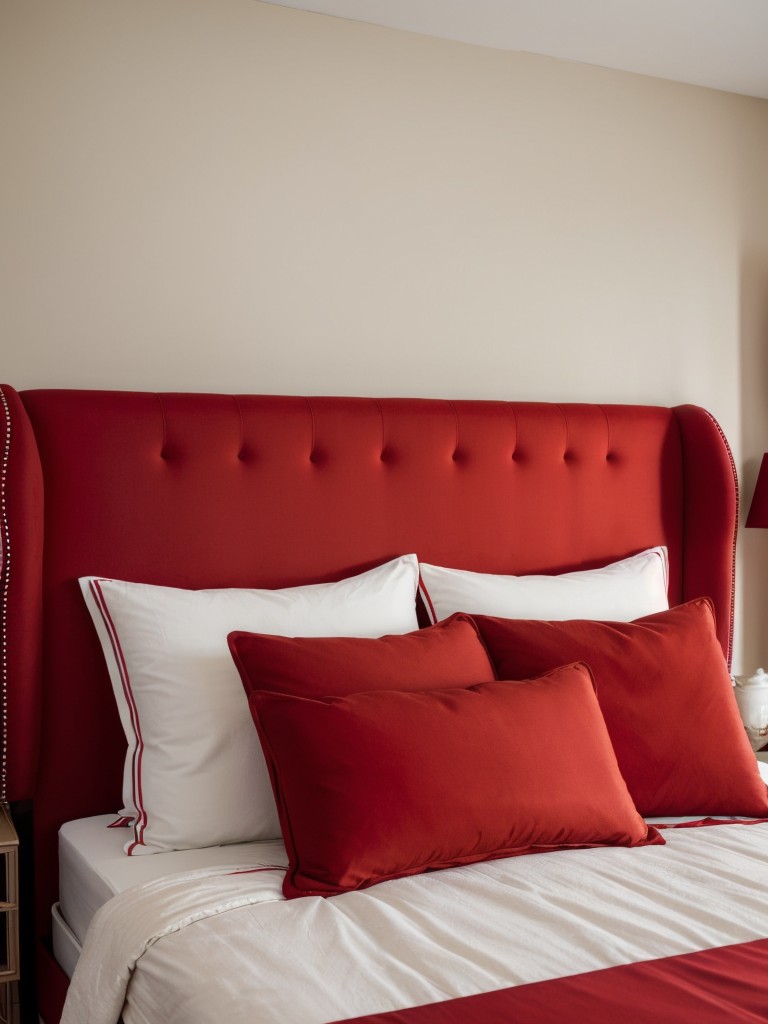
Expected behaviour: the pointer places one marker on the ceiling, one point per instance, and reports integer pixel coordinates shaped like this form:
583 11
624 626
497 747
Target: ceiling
722 44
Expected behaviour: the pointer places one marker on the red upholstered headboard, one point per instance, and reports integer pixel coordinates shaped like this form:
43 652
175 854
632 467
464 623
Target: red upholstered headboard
197 490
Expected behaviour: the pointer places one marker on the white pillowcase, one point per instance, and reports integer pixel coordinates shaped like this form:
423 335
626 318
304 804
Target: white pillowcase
620 592
194 774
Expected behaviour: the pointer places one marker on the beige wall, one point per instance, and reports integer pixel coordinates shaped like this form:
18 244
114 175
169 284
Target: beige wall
752 609
224 195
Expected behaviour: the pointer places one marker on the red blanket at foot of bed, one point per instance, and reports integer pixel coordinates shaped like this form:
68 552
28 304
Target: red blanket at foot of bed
728 985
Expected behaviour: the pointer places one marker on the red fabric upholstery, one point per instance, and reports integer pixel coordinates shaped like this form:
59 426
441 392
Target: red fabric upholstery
21 543
390 783
213 490
709 570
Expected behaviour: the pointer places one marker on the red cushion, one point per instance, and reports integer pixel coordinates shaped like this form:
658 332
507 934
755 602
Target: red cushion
667 698
447 654
383 784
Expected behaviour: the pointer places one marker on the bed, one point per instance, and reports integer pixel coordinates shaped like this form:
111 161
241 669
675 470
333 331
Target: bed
195 492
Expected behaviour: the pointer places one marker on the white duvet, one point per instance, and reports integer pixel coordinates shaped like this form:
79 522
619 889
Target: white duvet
214 946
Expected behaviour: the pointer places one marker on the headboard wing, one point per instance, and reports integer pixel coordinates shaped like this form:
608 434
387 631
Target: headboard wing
21 551
710 516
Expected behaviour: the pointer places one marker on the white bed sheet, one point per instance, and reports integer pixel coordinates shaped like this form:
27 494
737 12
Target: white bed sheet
93 866
207 946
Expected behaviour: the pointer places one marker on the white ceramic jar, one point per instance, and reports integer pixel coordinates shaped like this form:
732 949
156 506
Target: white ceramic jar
752 698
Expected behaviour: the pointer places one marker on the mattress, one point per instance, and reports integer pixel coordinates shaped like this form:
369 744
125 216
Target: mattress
93 868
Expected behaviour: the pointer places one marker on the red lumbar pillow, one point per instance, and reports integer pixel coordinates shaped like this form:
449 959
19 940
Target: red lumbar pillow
383 784
664 689
443 655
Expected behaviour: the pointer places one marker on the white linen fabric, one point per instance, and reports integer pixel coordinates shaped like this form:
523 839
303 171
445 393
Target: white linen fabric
253 956
93 867
194 772
620 592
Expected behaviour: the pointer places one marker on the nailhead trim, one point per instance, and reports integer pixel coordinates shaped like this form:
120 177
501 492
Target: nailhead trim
5 576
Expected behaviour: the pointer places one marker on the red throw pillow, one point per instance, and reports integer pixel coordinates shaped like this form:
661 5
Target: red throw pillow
443 655
389 783
664 689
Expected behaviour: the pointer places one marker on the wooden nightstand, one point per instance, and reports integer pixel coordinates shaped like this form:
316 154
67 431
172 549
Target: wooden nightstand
9 919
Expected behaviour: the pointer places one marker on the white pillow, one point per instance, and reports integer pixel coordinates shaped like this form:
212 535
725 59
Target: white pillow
194 772
620 592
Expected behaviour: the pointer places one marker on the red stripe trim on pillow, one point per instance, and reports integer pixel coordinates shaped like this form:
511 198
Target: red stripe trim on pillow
138 750
424 594
664 558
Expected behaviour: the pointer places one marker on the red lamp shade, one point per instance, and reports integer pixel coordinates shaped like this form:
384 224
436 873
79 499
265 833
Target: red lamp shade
758 510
